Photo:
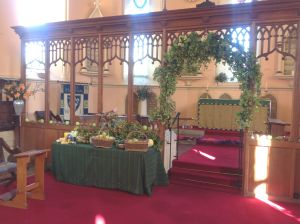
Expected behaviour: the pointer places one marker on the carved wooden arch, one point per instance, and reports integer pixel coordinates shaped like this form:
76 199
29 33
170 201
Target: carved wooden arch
225 96
273 113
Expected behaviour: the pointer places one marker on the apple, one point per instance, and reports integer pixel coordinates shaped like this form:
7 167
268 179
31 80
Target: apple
145 127
150 142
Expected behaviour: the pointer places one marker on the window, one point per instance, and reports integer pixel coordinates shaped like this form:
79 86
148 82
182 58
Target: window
290 45
240 35
142 68
136 6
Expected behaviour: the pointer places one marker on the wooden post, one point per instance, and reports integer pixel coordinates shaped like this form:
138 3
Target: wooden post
72 83
296 94
253 38
47 79
245 163
100 75
20 142
162 127
130 79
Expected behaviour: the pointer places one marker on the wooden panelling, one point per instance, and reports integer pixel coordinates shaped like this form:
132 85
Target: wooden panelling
32 138
280 171
275 165
40 137
297 173
8 119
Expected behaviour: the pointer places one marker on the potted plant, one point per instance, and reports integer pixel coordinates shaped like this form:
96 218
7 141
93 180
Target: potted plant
221 77
143 93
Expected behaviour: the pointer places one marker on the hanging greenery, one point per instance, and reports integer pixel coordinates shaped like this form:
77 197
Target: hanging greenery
193 51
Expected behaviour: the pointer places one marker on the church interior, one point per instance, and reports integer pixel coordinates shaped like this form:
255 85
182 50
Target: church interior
135 96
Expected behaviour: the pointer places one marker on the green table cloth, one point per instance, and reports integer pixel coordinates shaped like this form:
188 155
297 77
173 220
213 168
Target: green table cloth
84 164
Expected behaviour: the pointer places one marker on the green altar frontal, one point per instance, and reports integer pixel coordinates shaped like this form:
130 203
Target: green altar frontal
83 164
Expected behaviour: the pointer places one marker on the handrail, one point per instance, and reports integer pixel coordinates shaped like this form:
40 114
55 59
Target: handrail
176 118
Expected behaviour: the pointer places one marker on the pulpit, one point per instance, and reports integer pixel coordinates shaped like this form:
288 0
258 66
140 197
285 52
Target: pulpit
276 127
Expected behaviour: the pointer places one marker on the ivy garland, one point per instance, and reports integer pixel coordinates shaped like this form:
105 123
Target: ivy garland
190 52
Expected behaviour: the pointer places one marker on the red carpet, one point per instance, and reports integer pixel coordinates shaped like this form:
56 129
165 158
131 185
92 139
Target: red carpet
212 155
69 204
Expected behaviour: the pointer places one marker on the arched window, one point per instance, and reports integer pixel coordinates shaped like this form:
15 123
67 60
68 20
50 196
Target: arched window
143 69
136 6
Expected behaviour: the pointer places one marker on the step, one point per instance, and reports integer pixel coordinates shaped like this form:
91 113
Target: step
206 185
234 180
194 166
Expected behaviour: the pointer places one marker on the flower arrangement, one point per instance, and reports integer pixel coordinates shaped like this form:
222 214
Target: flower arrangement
18 91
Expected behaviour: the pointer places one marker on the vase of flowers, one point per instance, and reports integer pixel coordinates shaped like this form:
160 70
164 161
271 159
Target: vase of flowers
18 106
143 93
19 93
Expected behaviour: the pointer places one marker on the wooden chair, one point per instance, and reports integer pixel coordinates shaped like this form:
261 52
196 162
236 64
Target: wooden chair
8 166
18 198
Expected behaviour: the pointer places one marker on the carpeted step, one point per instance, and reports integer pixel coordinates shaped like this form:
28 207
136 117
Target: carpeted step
233 180
205 185
199 166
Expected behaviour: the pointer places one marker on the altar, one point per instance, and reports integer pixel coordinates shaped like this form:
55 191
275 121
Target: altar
86 165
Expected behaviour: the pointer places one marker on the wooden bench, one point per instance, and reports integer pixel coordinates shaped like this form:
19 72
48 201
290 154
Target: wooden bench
34 190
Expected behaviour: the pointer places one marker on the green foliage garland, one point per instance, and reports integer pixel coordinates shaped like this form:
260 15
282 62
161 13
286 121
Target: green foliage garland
190 52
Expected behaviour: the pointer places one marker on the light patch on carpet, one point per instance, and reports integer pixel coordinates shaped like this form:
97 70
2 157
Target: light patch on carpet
99 219
264 199
205 154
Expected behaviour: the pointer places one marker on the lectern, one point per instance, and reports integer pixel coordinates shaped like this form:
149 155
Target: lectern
276 127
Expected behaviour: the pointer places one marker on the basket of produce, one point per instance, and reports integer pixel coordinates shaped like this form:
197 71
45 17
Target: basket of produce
102 140
136 141
121 146
82 139
83 134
